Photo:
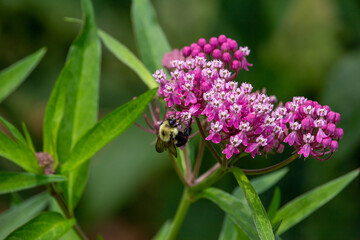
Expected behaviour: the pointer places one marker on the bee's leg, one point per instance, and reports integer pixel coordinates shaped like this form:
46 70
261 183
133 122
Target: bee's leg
187 130
181 139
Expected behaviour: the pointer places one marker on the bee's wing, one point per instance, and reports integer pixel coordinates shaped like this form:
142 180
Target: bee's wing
171 147
160 145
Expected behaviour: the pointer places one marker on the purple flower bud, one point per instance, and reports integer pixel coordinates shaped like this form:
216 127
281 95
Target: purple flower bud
208 48
233 45
193 46
330 117
235 65
195 52
201 42
337 118
330 129
222 39
326 142
186 51
226 57
307 123
225 47
238 55
216 54
339 133
214 42
202 55
334 145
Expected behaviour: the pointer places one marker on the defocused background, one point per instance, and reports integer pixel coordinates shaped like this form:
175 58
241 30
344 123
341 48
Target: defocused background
298 48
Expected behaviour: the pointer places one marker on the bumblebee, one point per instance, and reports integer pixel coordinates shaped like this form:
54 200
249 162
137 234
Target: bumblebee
171 137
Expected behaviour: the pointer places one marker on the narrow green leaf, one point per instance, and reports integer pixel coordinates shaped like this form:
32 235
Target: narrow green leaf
28 138
13 76
69 235
122 53
163 232
151 39
14 131
55 110
16 216
81 105
236 210
108 128
46 226
302 206
260 184
18 154
274 204
276 227
16 181
258 212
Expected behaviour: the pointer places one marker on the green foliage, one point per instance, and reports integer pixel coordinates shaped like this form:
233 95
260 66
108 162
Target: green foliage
258 212
16 181
301 207
274 204
46 226
261 184
14 131
16 216
13 76
163 232
151 39
18 153
236 210
111 126
122 53
81 106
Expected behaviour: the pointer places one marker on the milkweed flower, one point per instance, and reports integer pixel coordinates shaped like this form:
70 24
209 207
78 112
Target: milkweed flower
202 84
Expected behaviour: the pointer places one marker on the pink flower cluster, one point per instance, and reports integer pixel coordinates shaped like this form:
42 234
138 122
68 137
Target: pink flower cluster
239 119
221 48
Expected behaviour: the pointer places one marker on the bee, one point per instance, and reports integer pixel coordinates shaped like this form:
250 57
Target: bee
171 137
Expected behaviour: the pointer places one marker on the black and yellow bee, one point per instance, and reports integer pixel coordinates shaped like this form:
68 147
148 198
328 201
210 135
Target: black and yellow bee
171 137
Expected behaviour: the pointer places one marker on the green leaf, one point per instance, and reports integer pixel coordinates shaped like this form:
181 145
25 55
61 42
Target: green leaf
274 204
69 235
13 76
302 206
260 184
16 181
108 128
122 53
236 210
163 232
55 110
47 226
16 216
28 138
14 131
258 212
19 154
81 105
151 39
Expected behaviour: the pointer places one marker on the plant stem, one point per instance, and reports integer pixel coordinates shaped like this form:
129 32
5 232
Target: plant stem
177 169
187 165
271 168
208 178
180 215
208 144
198 160
66 211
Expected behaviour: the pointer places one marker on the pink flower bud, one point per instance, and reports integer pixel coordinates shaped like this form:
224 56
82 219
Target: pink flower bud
326 142
334 145
235 65
330 117
306 123
225 47
226 57
222 39
186 51
201 42
214 42
208 48
339 133
330 129
233 45
337 118
193 46
238 55
216 54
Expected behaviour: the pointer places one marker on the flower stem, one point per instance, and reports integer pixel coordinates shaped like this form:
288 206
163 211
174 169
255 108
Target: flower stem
208 144
66 211
271 168
198 159
180 215
177 169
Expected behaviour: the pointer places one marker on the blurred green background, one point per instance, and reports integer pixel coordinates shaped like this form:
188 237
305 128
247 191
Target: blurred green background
298 48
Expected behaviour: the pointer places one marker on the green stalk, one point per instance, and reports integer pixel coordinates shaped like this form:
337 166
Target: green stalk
180 215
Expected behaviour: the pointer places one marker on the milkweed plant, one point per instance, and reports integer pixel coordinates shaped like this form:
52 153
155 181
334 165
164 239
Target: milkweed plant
197 92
